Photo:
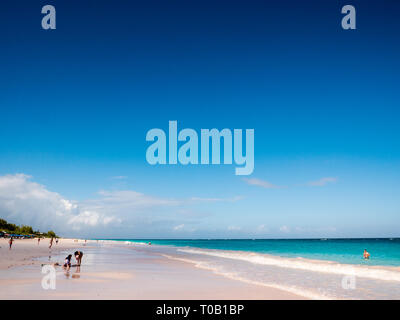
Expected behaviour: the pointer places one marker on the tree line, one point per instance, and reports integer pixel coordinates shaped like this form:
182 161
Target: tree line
23 229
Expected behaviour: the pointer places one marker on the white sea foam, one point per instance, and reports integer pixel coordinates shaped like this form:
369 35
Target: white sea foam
122 242
138 243
234 276
377 273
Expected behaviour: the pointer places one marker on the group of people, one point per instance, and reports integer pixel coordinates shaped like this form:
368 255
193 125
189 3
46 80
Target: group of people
11 241
78 257
51 242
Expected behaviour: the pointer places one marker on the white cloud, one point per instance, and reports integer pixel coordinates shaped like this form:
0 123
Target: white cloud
23 201
234 228
119 177
262 228
121 213
260 183
234 199
322 182
179 227
130 199
90 218
27 202
31 203
284 229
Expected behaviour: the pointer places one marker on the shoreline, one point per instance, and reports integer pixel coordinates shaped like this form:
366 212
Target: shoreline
289 258
308 264
118 271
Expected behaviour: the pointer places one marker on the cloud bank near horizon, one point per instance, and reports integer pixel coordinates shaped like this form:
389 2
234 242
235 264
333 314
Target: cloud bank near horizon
112 213
121 213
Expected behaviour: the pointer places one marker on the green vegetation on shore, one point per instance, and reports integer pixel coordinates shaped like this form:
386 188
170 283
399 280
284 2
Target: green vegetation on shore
24 230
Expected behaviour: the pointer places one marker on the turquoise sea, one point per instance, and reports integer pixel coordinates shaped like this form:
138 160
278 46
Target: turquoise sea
313 268
384 252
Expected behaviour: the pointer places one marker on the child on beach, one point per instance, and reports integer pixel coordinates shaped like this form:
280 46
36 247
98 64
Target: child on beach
10 242
366 254
67 262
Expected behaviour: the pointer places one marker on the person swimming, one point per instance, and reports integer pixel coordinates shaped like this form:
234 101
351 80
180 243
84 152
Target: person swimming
366 254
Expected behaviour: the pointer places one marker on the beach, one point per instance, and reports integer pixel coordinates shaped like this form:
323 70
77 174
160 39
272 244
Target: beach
23 251
116 271
131 269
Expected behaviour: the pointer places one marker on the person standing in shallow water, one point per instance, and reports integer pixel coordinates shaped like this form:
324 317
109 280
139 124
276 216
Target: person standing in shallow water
366 254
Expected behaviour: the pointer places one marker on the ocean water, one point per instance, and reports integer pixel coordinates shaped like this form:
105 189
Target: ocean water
317 268
384 252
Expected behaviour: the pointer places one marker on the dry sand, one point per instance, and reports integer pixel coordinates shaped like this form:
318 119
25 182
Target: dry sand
23 250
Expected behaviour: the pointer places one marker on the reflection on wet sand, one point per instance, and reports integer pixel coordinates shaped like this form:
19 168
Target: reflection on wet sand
74 275
77 275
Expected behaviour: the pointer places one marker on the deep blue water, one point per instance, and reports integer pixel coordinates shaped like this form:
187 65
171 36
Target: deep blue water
385 252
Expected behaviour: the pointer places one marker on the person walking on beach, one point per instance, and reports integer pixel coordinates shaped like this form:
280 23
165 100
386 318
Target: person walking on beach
51 243
56 240
78 257
38 240
10 242
366 254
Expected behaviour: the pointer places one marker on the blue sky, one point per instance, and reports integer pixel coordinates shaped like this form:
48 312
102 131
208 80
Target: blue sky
76 104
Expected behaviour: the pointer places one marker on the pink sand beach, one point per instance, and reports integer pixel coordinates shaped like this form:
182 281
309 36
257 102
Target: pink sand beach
112 270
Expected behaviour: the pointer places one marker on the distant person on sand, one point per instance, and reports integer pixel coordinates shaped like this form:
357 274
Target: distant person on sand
10 242
38 241
78 257
67 262
51 243
56 240
366 254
